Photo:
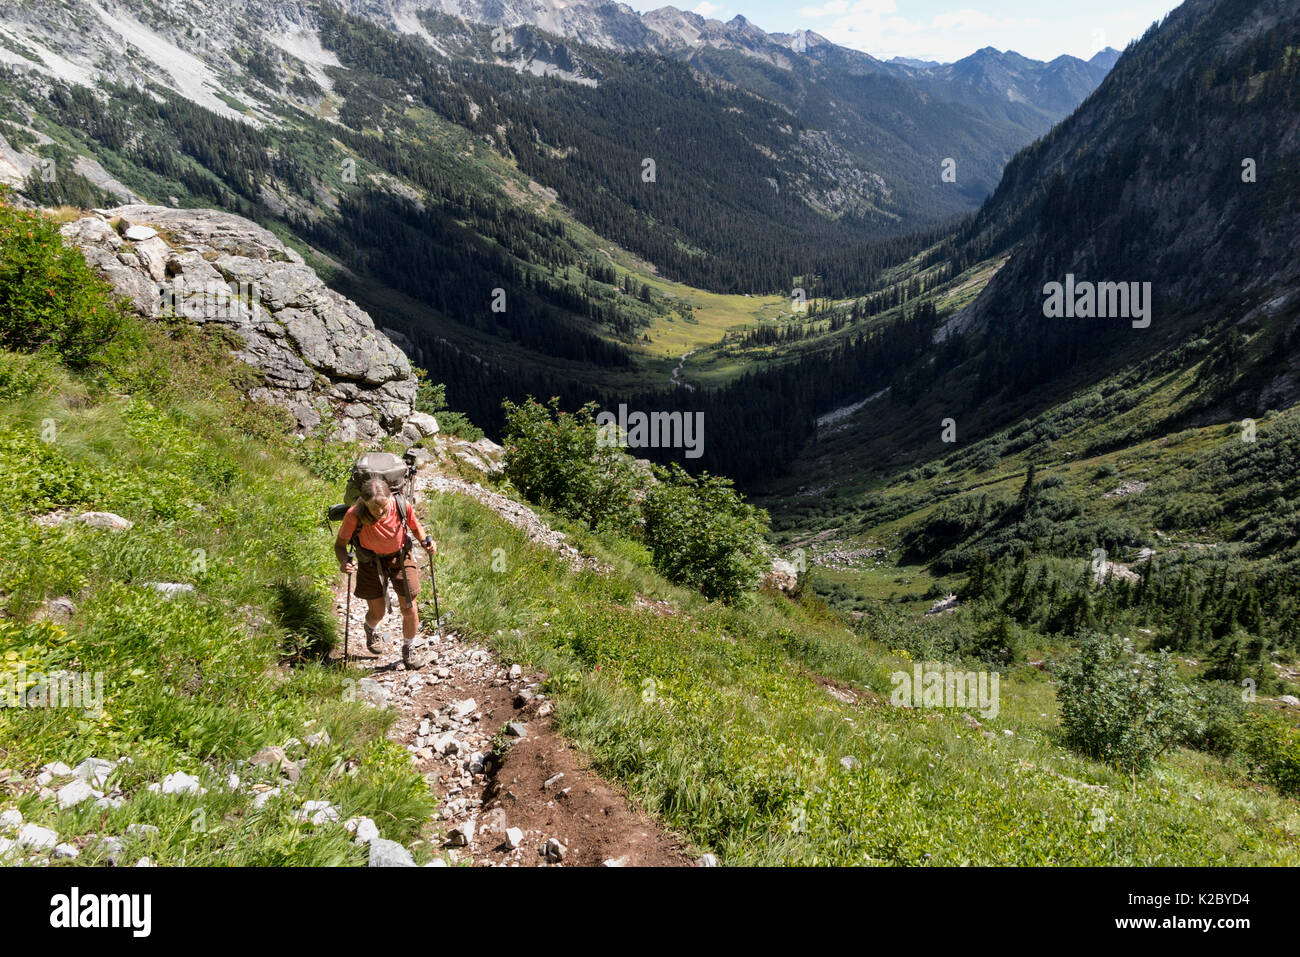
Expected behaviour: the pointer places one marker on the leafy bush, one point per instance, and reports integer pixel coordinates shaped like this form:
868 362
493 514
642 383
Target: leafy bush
24 375
998 642
703 534
39 477
557 459
1219 720
1273 745
1119 707
49 297
985 458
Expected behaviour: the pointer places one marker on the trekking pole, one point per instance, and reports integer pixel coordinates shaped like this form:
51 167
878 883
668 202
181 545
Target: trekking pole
433 580
347 616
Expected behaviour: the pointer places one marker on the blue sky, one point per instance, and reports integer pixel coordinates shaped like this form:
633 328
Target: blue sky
947 29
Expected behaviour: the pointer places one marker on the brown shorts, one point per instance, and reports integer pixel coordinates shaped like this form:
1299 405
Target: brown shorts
404 576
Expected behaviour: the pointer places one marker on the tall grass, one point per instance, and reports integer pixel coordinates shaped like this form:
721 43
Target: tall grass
713 718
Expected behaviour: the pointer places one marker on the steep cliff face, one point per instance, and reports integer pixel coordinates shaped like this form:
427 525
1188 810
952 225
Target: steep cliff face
1178 171
319 353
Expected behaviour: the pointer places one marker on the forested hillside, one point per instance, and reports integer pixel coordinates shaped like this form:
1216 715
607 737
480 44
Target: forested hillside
489 198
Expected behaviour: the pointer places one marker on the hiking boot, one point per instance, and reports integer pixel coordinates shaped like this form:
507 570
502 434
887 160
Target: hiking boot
414 658
374 641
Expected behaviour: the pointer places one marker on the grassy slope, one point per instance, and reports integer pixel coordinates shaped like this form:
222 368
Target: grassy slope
711 717
201 682
715 718
1101 439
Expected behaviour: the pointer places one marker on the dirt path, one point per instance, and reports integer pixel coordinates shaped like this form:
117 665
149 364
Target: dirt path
450 711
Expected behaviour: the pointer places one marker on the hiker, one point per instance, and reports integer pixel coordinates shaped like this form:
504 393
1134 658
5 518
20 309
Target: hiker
374 525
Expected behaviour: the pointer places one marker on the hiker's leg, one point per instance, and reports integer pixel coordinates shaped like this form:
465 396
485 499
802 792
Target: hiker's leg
410 620
406 583
375 608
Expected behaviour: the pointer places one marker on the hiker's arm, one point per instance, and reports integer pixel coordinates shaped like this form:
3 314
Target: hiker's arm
341 553
413 523
341 543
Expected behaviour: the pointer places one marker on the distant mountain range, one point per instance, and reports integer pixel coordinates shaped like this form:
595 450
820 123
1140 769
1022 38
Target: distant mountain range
874 132
1051 89
815 148
504 147
1164 209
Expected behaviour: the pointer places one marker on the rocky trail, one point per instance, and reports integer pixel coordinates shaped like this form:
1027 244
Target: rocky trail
511 791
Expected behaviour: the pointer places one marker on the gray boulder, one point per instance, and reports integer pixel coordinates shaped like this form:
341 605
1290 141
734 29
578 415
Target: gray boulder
316 350
385 853
419 425
37 838
70 795
105 520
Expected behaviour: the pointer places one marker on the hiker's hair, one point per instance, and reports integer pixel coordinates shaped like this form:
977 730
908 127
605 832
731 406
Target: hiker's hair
372 490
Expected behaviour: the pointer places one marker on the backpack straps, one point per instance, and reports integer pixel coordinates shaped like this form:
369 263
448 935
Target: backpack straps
401 514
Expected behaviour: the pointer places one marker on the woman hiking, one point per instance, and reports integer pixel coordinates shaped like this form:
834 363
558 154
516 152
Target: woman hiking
375 525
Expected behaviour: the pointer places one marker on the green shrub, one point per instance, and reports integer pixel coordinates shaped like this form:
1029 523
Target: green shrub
998 642
557 459
459 425
985 458
1219 718
1273 746
49 297
39 477
701 533
1119 707
24 375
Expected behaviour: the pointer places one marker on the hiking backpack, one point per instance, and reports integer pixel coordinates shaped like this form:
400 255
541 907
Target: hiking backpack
377 465
396 471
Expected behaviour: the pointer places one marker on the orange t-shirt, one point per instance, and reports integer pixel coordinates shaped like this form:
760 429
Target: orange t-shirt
384 537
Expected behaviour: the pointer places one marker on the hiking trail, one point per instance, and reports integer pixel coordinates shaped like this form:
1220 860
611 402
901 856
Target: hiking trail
499 808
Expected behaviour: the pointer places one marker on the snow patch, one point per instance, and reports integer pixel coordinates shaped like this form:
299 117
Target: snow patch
190 76
305 46
844 411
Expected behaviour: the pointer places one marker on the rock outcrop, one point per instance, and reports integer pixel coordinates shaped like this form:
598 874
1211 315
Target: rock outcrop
784 576
318 352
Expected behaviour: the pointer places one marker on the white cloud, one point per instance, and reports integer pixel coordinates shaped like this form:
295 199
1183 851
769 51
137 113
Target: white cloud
832 8
881 29
877 26
969 20
706 9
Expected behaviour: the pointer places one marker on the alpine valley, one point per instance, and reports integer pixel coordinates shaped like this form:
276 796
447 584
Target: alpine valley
983 371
